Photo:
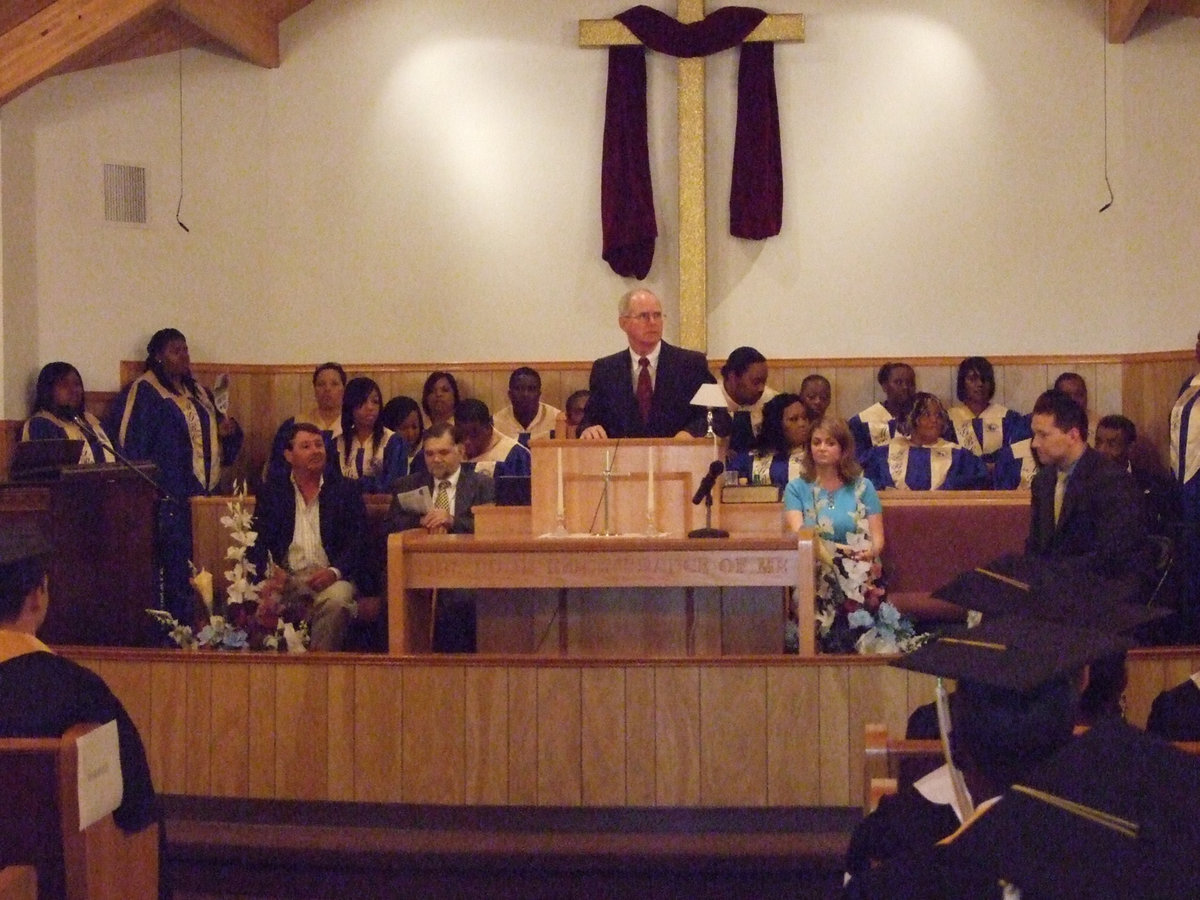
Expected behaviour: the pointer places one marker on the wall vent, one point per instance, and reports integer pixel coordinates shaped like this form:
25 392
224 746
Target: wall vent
125 194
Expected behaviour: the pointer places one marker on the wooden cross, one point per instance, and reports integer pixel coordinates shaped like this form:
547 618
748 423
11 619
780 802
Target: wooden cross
693 238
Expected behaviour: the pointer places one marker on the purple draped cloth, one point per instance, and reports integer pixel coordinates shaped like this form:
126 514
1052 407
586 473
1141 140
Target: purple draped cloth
626 195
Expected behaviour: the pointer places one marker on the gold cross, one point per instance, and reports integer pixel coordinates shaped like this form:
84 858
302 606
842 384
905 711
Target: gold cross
693 238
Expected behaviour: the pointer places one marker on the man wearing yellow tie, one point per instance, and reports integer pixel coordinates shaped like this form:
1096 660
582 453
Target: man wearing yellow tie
453 491
1085 521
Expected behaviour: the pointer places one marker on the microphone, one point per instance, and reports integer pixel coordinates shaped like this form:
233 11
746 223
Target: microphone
121 458
708 482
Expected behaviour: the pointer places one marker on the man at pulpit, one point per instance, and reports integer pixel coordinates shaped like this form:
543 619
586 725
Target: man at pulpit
452 492
645 390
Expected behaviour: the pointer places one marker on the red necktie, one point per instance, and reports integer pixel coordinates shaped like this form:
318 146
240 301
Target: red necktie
645 390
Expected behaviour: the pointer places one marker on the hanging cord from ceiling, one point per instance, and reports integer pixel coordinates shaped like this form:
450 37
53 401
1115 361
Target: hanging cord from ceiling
179 55
1104 60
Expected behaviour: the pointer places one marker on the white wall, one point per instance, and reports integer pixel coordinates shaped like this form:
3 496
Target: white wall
419 181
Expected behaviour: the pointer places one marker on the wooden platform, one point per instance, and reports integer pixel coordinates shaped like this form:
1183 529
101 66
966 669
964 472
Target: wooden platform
515 731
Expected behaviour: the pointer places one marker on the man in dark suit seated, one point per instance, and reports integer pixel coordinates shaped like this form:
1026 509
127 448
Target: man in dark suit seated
645 390
1086 528
453 491
1175 713
313 527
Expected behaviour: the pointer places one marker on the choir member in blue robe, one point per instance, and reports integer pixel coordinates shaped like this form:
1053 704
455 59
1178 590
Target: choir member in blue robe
1185 465
58 404
782 444
366 451
875 425
1015 466
403 415
166 417
981 426
490 452
922 459
329 386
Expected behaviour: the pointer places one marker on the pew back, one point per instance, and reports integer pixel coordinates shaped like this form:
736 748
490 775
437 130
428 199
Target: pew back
39 826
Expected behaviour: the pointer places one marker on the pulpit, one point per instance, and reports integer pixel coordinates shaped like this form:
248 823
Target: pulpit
101 520
600 564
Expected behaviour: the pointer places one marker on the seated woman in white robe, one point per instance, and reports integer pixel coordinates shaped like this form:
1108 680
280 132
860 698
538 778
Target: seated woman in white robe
875 425
782 444
981 426
367 451
58 406
922 459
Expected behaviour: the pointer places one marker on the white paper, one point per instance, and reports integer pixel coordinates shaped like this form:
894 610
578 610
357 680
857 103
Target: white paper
418 501
100 784
221 393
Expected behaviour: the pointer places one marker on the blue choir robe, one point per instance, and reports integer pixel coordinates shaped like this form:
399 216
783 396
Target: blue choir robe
873 427
776 468
177 432
44 425
505 457
374 466
943 466
1015 466
985 434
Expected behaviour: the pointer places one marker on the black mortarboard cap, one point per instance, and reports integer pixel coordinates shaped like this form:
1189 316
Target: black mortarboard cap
1112 814
1032 590
1011 652
21 541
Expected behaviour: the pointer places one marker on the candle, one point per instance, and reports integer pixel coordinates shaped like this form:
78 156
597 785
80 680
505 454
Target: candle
562 503
650 484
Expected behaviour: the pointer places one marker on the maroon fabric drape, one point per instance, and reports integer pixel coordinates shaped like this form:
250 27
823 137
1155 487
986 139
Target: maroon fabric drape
626 195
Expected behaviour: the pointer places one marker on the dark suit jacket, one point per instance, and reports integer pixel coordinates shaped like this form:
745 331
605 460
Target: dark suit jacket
473 488
613 404
343 525
1101 531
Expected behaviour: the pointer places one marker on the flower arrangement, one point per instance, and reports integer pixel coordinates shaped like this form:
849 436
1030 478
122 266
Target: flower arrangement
852 614
240 621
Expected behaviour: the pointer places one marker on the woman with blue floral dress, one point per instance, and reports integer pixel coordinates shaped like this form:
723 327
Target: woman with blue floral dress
833 497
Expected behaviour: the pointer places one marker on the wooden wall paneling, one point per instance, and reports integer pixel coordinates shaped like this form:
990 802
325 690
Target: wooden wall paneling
10 436
166 744
677 735
855 390
261 727
342 730
733 736
559 748
128 681
487 735
229 741
378 733
1104 390
433 768
834 726
641 749
1144 685
793 736
1022 385
199 727
301 731
522 735
1149 388
603 736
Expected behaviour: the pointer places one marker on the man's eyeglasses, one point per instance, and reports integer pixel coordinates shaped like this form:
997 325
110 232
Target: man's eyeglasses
645 317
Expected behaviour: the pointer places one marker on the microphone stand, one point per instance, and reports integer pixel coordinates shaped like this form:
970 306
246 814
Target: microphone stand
708 531
124 460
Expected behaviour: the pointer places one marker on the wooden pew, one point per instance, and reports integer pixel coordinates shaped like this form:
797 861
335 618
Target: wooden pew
40 819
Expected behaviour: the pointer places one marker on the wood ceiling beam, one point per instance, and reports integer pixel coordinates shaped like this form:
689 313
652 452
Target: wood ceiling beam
57 32
1123 17
241 25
